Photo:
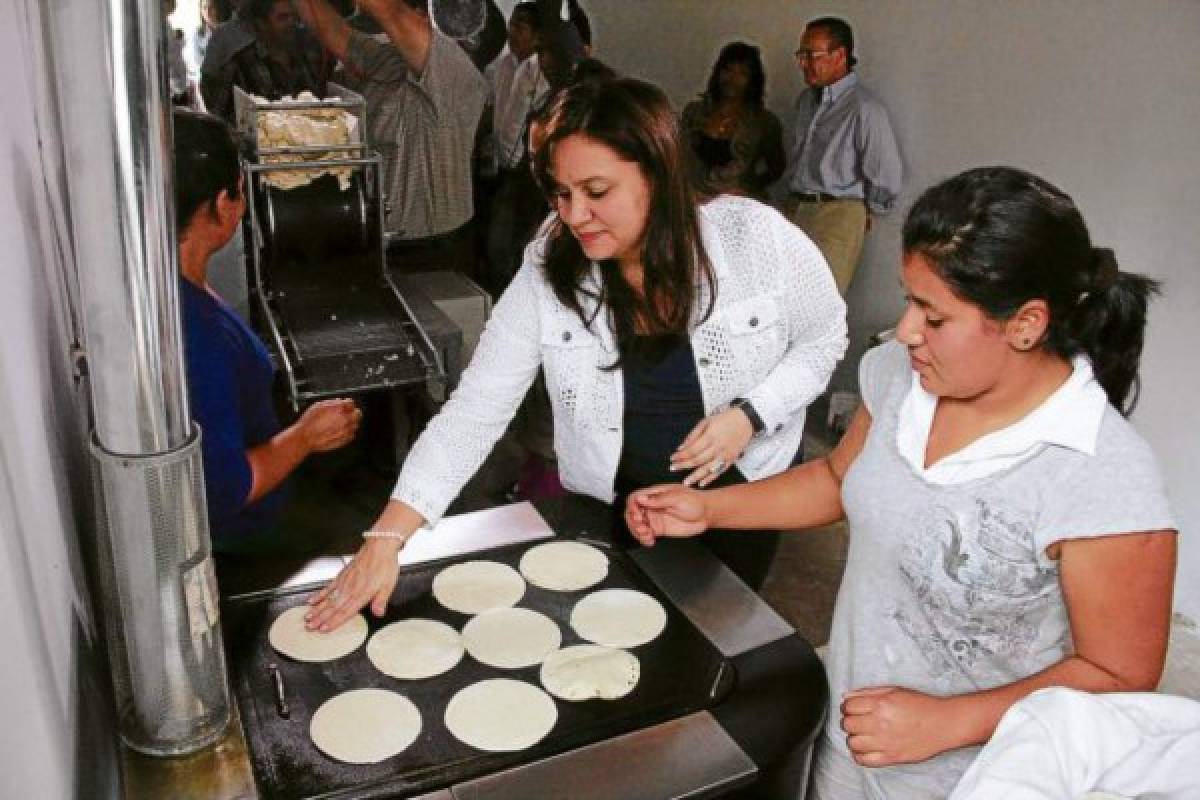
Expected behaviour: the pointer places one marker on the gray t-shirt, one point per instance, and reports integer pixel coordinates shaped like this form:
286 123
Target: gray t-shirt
948 589
424 127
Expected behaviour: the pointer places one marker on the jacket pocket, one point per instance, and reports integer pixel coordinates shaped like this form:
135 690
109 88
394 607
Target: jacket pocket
570 355
757 336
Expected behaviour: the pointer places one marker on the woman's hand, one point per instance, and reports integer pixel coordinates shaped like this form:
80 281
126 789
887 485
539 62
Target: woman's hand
369 578
668 510
888 725
712 446
329 424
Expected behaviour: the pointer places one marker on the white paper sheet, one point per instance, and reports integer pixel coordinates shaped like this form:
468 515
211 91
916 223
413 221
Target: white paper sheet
479 530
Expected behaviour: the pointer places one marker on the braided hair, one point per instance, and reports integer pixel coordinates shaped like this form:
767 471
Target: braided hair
1000 236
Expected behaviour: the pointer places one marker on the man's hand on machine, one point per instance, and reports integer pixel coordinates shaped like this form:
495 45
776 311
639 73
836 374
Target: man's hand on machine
669 510
329 424
370 578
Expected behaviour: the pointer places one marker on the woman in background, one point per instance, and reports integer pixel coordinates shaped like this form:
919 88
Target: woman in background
1008 527
736 142
248 455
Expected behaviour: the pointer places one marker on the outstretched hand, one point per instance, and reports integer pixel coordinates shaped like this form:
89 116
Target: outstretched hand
369 578
669 510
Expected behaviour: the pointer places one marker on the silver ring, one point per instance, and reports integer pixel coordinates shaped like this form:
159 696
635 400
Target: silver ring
718 466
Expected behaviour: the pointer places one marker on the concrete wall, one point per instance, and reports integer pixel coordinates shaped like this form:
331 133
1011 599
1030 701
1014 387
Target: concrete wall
1100 96
57 741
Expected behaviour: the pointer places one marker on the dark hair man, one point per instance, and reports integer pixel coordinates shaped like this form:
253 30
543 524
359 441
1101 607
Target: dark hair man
263 52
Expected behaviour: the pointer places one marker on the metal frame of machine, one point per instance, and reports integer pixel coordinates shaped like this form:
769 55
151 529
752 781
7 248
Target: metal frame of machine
426 363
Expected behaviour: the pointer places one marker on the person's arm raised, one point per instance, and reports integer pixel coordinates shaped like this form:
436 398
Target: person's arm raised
327 24
411 31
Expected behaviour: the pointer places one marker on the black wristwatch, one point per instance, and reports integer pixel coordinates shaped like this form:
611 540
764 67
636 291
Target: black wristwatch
747 408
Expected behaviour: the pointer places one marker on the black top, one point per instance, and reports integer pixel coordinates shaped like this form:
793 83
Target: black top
713 152
663 402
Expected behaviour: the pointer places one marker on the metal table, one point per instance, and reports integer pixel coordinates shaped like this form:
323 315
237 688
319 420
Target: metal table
756 743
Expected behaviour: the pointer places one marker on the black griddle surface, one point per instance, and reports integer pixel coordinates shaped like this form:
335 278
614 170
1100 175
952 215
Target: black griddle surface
679 670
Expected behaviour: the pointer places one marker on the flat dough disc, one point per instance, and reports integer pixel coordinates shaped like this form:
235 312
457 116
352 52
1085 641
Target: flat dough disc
510 638
412 649
476 586
289 637
564 566
365 726
586 671
500 715
619 618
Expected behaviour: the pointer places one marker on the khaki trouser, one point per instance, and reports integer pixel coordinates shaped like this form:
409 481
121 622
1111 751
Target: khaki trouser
838 228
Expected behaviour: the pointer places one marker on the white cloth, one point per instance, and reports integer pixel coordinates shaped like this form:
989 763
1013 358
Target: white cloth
776 332
1059 744
1069 417
516 87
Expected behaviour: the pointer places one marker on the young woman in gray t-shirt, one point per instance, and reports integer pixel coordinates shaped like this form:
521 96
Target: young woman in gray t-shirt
1008 528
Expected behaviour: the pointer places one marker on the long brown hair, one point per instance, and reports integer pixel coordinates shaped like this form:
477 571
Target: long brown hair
635 120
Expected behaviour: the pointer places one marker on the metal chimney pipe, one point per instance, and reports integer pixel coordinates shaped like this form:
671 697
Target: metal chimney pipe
153 552
129 286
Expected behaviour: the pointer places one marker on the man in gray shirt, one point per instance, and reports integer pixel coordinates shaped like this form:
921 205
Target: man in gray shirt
845 164
424 101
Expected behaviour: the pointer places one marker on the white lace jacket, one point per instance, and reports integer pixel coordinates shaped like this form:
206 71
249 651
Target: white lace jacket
774 336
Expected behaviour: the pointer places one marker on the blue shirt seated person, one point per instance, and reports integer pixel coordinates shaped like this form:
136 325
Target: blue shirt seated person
248 455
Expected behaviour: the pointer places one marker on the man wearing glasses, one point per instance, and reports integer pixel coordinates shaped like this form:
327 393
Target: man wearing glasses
845 164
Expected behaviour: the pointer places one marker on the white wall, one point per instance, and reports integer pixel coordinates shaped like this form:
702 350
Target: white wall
56 739
1101 97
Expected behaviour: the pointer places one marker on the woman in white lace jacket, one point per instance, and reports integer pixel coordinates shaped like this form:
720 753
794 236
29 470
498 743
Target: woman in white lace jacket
678 336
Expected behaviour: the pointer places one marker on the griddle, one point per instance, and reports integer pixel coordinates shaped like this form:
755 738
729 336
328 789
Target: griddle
681 672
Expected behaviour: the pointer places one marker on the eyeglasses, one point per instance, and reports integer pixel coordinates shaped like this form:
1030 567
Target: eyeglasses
810 55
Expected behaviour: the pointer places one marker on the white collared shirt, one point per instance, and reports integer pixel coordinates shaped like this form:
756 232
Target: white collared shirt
1070 417
517 86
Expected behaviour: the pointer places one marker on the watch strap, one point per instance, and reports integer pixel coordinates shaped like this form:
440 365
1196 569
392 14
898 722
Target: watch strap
747 408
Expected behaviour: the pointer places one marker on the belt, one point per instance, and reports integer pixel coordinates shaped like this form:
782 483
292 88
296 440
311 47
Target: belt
816 197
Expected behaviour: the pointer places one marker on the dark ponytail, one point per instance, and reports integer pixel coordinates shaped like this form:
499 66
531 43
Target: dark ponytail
1000 237
1109 324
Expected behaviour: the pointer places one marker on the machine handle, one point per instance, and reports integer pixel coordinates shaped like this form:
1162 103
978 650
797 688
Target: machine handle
281 703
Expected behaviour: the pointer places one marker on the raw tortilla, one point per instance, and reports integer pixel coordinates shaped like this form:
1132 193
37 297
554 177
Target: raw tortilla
618 618
511 637
365 726
586 671
500 715
289 637
476 586
412 649
564 566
